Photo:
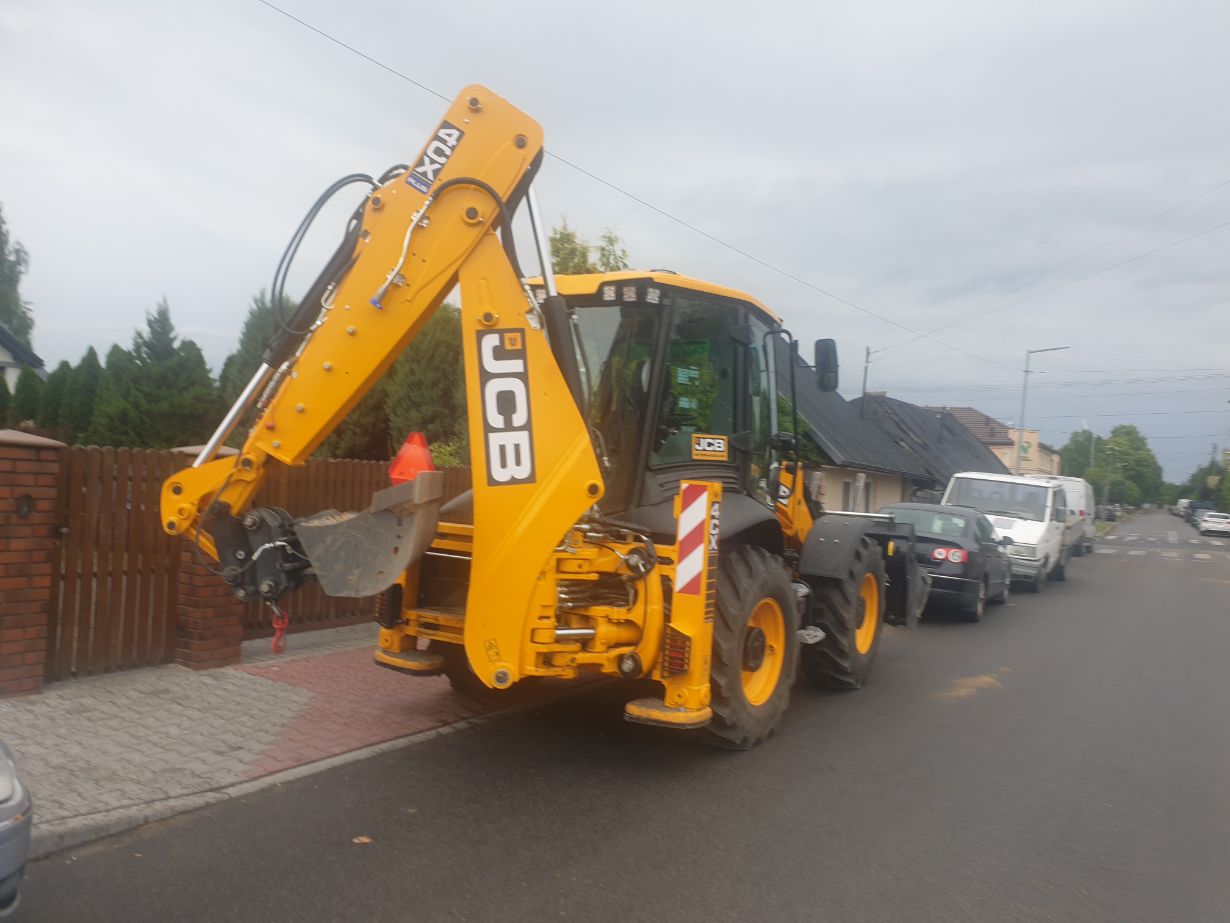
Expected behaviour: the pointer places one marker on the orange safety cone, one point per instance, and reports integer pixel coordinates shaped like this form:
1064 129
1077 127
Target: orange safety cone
413 456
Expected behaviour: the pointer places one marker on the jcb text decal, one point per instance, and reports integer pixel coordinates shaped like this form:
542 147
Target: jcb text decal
439 149
710 448
504 382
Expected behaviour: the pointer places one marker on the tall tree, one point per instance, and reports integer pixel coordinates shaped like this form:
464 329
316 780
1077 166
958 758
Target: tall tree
26 396
158 395
258 327
1076 457
53 398
80 395
572 254
15 314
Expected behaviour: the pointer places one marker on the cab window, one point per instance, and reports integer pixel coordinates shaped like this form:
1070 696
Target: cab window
698 392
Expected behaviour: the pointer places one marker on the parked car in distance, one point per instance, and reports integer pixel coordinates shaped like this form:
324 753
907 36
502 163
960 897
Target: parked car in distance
1032 512
1213 521
15 818
1180 508
1082 507
959 548
1195 508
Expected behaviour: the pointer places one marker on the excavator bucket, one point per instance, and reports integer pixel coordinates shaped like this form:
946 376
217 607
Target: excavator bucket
362 554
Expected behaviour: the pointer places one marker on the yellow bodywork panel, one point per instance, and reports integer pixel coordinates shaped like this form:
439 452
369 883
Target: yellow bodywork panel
534 468
354 342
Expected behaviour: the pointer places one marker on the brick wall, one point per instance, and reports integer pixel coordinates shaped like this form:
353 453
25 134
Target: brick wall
210 619
29 473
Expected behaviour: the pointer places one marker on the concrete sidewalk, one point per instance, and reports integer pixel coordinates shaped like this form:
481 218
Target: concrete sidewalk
106 754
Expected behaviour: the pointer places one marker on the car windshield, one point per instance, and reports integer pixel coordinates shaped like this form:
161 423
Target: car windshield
1001 498
932 523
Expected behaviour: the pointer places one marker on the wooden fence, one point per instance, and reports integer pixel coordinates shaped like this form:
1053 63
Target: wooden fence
115 586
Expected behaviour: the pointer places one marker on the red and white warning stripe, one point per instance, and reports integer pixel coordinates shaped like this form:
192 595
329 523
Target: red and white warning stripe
690 539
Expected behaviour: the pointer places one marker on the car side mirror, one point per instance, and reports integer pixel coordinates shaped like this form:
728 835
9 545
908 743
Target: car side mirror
826 365
1007 540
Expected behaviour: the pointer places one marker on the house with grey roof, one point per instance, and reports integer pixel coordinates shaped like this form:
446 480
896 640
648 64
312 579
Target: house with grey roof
14 356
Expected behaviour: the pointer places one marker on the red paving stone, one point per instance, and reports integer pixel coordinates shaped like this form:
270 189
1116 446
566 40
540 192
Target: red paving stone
354 704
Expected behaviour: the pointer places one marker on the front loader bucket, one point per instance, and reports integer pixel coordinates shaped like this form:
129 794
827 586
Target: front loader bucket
362 554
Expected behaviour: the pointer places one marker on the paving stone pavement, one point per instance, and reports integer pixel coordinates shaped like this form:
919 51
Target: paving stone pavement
90 746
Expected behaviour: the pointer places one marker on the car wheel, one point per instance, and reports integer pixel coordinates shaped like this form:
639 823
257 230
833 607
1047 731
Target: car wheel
1002 596
977 607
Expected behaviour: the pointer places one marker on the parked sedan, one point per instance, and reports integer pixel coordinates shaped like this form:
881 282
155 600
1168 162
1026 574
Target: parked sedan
1212 522
958 547
15 813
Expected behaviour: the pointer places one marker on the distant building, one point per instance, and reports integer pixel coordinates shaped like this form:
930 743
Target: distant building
1036 456
14 356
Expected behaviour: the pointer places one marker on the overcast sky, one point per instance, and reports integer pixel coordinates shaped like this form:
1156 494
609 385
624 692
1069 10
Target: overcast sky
925 161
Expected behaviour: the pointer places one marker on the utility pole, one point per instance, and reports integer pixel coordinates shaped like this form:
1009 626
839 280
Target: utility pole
1020 423
866 365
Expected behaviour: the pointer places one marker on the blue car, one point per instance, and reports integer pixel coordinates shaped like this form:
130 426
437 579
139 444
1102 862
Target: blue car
15 814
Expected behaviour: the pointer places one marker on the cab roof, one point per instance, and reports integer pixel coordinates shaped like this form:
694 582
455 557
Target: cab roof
589 283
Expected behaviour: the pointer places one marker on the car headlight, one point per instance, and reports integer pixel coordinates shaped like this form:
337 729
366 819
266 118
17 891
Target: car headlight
1024 551
9 786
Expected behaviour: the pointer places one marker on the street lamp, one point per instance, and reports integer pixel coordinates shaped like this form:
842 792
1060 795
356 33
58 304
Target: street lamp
1020 423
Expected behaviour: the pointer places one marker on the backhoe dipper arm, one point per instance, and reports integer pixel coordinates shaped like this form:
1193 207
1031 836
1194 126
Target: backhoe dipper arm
400 259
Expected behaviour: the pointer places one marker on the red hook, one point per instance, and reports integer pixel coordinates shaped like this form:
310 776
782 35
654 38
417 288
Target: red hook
281 621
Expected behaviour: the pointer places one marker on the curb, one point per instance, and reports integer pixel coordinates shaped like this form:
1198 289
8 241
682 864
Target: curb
56 836
59 835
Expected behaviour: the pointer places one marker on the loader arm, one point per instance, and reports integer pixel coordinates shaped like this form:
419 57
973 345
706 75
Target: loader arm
416 235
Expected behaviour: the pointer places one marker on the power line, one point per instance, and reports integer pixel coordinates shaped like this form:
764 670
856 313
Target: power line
918 334
979 386
1128 413
1054 288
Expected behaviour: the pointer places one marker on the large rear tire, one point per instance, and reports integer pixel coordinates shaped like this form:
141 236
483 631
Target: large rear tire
850 611
457 668
755 648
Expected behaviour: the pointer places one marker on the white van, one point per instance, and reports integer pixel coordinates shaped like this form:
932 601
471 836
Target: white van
1031 511
1082 508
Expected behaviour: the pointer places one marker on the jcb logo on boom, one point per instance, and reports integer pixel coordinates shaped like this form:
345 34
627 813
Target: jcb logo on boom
504 382
439 150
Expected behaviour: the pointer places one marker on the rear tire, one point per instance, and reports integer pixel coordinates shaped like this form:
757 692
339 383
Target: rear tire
457 668
843 659
755 648
1037 584
1059 572
975 610
1001 597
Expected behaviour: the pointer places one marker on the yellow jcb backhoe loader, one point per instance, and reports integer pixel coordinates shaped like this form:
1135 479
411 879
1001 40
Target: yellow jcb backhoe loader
635 511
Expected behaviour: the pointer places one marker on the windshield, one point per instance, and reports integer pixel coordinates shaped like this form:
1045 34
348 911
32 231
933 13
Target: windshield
617 343
1002 498
933 523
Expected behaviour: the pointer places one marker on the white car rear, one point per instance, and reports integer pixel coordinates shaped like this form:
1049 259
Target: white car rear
1212 522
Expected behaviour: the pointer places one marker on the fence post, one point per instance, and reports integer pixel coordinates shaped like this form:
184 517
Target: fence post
209 623
29 472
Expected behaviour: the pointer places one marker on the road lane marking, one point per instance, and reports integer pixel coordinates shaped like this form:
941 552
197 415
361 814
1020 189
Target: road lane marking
1106 550
1109 537
1130 538
1172 536
1141 551
1193 541
1201 556
1215 542
969 685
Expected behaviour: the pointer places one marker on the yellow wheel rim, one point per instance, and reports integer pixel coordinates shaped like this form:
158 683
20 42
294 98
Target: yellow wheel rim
869 594
764 651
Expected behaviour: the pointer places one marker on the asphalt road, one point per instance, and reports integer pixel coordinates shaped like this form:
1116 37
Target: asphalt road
1068 759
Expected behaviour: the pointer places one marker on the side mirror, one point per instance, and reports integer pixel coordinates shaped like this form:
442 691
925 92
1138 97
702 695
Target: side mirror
826 365
1007 540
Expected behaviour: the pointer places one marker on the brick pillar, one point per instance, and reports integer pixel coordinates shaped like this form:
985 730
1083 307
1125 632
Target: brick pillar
29 474
209 627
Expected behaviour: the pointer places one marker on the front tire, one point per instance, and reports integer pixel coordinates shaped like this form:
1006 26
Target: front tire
850 610
755 648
